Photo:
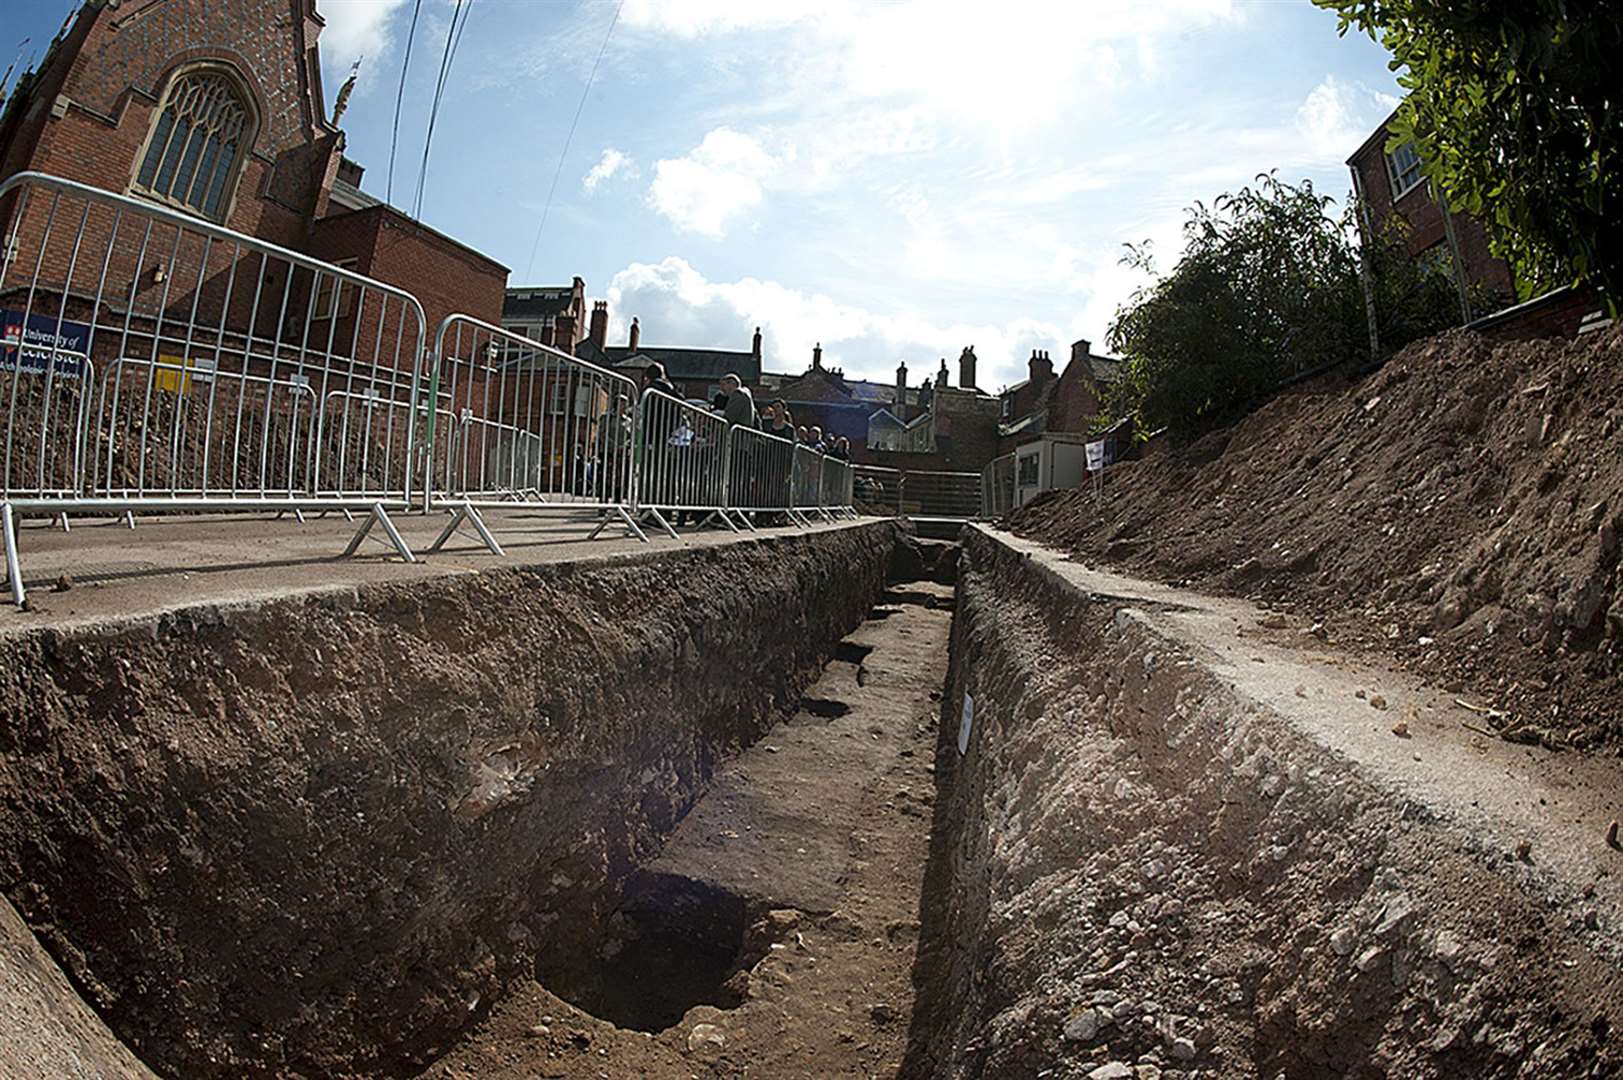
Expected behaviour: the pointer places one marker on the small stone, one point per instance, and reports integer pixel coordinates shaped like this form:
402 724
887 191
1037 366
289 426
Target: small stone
1524 850
881 1013
1083 1027
1342 941
1182 1049
1401 729
1275 621
1611 834
1377 702
1369 958
63 583
1360 695
706 1039
1301 691
1147 1071
539 1031
1112 1070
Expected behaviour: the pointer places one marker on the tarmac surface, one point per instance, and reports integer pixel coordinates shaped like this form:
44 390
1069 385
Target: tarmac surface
100 568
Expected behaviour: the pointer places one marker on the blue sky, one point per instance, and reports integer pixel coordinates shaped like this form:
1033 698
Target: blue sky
894 178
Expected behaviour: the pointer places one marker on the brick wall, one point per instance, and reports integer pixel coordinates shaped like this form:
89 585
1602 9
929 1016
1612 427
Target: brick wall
1425 218
109 74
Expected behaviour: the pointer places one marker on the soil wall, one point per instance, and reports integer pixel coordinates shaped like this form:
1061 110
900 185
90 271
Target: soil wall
314 836
1138 871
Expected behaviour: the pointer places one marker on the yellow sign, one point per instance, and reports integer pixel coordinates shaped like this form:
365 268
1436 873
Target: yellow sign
177 375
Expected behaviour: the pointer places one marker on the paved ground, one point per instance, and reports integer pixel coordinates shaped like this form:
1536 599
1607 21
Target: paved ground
168 562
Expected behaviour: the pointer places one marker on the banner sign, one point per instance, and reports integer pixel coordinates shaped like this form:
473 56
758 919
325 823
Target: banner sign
44 344
1096 455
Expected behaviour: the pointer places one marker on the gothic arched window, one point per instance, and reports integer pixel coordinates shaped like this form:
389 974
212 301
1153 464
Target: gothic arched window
198 142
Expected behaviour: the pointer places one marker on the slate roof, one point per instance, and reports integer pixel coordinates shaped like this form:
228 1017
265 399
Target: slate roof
680 363
537 302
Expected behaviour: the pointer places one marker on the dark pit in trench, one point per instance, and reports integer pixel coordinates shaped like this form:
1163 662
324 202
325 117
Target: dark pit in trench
674 943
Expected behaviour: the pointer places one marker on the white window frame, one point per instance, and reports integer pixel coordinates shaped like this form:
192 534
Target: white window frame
1396 174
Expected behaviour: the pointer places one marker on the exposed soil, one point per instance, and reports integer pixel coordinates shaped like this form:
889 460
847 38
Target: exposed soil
1143 868
317 835
774 935
1458 512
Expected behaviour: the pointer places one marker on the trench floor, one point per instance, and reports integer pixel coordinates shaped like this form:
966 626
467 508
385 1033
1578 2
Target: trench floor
786 902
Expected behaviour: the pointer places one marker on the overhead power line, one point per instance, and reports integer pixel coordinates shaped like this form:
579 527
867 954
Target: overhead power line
547 209
405 66
452 40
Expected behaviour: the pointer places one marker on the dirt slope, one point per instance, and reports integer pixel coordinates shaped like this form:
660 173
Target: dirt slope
1459 510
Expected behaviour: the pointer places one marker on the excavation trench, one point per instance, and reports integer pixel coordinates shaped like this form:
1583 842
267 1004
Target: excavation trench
321 835
751 811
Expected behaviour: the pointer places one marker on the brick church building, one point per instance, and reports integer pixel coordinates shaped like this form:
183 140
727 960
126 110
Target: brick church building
215 108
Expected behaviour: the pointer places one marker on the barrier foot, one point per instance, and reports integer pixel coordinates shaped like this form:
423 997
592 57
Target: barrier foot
298 515
725 520
129 518
632 528
745 518
62 520
470 514
659 519
14 570
380 516
798 518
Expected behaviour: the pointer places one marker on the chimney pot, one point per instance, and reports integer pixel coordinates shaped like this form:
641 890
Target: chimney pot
636 333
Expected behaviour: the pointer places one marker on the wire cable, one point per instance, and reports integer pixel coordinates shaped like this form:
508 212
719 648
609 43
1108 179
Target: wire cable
547 209
399 95
452 40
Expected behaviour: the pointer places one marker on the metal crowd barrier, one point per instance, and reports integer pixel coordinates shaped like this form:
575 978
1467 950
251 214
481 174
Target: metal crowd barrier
152 361
529 426
997 486
835 490
876 489
681 462
806 483
761 472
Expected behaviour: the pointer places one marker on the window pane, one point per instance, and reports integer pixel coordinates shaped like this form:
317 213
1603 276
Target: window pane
188 165
227 162
160 139
166 174
200 188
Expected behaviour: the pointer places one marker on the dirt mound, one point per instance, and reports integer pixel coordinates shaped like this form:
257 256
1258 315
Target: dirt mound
1459 509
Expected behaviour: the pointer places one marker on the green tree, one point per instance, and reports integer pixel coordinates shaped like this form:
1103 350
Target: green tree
1514 109
1267 288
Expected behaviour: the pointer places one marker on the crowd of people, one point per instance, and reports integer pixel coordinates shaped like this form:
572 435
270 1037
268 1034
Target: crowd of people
670 435
735 403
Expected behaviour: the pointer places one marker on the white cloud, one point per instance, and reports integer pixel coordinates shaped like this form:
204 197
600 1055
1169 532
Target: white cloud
677 304
355 29
612 162
1025 65
716 181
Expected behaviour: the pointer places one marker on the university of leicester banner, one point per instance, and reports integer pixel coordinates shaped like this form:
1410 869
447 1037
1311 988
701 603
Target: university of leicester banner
44 344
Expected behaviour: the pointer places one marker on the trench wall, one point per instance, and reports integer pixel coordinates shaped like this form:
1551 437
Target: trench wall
1135 864
314 836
